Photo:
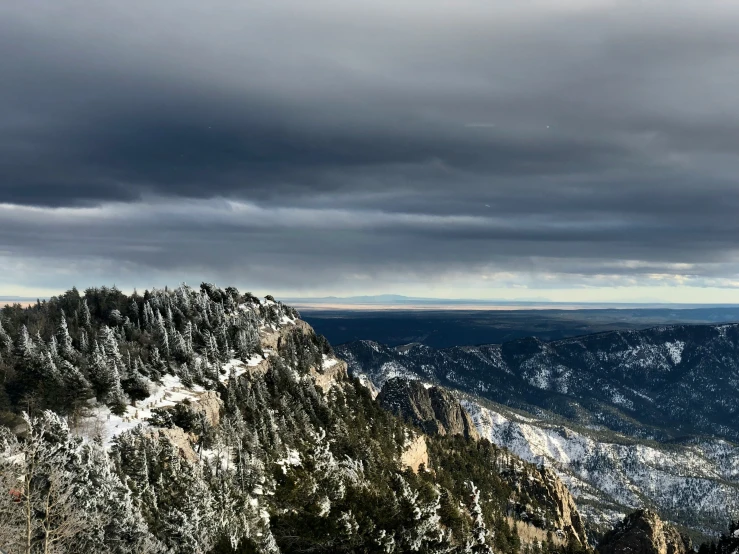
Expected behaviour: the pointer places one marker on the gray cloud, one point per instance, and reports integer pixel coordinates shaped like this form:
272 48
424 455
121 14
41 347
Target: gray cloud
569 138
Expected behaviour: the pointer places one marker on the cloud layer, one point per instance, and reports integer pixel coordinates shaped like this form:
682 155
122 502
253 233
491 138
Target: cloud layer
370 146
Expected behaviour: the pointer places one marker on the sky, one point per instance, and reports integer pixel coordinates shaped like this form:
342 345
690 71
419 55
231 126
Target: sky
565 149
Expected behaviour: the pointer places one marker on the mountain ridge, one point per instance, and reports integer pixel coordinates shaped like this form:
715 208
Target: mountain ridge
218 423
613 458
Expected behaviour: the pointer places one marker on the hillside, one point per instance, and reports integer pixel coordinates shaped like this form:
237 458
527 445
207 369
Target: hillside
643 531
659 383
207 420
627 419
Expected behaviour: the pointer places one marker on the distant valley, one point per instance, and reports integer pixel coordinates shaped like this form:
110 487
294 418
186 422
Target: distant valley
629 419
443 328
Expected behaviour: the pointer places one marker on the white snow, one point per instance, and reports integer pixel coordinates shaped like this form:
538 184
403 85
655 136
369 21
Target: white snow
619 473
106 425
239 367
291 459
329 362
675 351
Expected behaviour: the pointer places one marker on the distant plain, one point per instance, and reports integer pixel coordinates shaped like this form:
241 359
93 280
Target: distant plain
443 328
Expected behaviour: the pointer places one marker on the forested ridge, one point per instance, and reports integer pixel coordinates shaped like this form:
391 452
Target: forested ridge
104 344
297 457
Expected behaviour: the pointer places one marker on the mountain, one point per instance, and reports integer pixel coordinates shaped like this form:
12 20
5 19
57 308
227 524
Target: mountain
433 409
438 412
401 299
628 419
728 543
694 483
206 420
643 531
660 383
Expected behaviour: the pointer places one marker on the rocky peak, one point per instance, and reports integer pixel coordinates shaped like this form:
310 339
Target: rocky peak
571 520
644 532
433 409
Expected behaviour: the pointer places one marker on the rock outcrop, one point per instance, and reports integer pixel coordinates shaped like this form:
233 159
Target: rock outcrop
644 532
331 373
270 337
180 439
433 409
564 504
209 404
415 454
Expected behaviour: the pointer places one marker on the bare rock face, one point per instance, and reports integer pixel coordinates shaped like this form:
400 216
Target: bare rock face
569 518
327 377
179 439
209 404
644 532
270 338
433 409
415 454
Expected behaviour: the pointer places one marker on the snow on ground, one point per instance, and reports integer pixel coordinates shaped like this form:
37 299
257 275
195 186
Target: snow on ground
292 459
329 362
619 473
104 424
240 367
675 351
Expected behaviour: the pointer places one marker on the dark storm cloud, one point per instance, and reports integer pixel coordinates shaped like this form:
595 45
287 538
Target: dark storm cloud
569 137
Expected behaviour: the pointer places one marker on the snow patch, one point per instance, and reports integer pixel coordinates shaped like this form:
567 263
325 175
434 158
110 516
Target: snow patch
104 424
675 351
291 459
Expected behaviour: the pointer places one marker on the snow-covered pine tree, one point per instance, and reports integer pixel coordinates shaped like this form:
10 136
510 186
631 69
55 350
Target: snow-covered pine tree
116 399
86 316
6 343
478 542
43 512
65 340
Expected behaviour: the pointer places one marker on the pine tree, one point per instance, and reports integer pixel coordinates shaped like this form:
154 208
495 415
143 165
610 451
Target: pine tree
25 347
114 523
477 544
109 345
163 335
86 317
116 397
101 373
6 343
84 342
43 510
65 340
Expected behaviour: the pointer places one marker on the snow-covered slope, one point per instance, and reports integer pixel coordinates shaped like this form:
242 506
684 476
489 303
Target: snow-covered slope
102 424
695 484
628 419
660 383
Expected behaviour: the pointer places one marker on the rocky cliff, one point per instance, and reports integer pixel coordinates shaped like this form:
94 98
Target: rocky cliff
433 409
644 532
608 412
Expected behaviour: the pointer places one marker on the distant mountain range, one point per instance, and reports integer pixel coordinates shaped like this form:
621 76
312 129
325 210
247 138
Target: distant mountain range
399 299
629 419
